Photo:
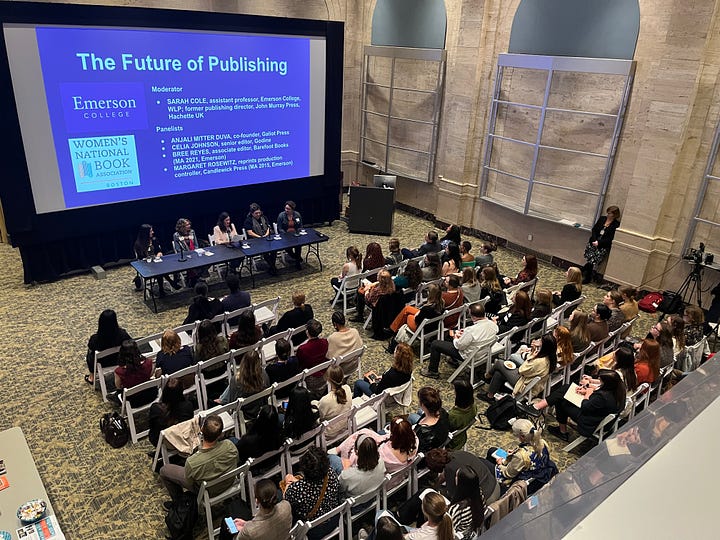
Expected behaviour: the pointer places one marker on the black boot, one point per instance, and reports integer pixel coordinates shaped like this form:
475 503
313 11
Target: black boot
391 346
359 317
587 273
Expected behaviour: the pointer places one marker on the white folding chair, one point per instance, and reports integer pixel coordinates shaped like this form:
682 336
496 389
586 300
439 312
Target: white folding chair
152 341
337 428
401 395
265 466
350 362
190 378
428 328
265 398
130 411
295 448
336 513
206 501
100 371
367 410
580 362
266 312
481 356
346 289
600 433
207 375
368 502
186 332
228 329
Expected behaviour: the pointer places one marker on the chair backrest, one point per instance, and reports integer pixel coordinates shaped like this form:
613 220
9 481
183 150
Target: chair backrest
278 386
402 395
190 378
403 478
336 513
694 355
99 372
187 332
296 447
428 328
153 341
211 239
527 391
370 501
206 501
232 316
337 428
449 314
350 362
265 466
267 346
266 312
247 402
421 295
637 400
150 390
579 363
206 375
368 411
309 372
229 415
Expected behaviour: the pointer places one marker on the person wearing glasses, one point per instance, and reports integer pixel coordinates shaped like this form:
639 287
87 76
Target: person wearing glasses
290 221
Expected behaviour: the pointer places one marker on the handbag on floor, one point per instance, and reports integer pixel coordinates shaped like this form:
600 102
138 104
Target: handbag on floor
115 429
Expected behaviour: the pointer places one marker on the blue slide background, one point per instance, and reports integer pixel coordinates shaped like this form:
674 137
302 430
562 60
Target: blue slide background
155 175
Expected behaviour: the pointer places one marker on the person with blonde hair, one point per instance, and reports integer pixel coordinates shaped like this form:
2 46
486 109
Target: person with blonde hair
542 306
337 400
531 455
439 524
490 287
471 288
372 293
572 290
612 300
173 356
398 374
579 333
249 380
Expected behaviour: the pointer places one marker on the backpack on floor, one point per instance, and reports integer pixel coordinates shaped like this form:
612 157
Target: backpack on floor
650 302
182 516
115 429
500 412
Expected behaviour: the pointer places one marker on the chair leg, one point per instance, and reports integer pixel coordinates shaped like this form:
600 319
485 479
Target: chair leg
579 439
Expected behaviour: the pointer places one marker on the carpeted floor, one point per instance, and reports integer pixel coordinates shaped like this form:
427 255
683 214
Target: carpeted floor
102 493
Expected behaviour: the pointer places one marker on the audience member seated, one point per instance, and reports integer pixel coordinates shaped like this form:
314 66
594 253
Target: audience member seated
398 374
485 258
598 324
539 361
465 344
314 492
282 367
298 316
612 300
290 221
579 333
439 524
629 305
453 298
133 369
273 520
463 412
527 273
224 231
565 352
431 267
312 353
237 299
344 339
202 307
374 257
431 245
490 288
472 291
396 451
336 402
368 472
413 316
624 365
262 436
452 234
173 356
531 458
662 333
431 423
146 246
257 226
108 335
172 409
542 306
453 260
447 464
300 415
608 397
572 290
249 379
411 278
694 318
247 333
395 256
214 458
647 361
517 315
370 293
351 268
209 343
466 258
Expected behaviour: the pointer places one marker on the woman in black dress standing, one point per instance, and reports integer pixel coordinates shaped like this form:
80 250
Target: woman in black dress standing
599 243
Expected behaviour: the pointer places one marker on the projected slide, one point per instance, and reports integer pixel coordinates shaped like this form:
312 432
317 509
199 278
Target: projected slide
144 113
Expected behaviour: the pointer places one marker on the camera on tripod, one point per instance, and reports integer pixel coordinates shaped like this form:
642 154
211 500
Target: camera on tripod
695 255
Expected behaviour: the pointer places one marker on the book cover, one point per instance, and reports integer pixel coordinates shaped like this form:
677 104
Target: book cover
572 396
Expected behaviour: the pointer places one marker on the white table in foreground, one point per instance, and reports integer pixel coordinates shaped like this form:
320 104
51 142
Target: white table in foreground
25 482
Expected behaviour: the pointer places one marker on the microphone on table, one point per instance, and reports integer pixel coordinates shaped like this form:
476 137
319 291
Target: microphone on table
181 241
297 226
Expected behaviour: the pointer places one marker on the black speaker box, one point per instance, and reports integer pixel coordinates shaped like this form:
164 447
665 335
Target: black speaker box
371 210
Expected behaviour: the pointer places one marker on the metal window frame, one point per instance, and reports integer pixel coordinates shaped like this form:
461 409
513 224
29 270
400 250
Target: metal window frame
403 53
707 178
552 64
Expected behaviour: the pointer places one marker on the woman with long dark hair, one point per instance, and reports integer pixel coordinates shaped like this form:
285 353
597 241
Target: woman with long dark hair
467 507
300 415
263 435
224 231
453 260
368 472
599 243
374 257
527 273
109 334
133 369
146 246
463 412
431 267
247 333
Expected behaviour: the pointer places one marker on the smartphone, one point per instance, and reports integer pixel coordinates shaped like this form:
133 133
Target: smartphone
500 453
284 405
231 525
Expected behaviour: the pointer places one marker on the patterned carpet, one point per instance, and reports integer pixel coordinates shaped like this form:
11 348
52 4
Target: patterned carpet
102 493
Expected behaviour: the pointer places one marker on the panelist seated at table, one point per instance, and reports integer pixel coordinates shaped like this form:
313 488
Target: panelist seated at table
184 239
290 221
147 246
224 232
257 226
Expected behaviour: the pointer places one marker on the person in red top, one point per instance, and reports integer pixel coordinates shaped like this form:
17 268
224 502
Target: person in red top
312 353
453 297
132 370
647 362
